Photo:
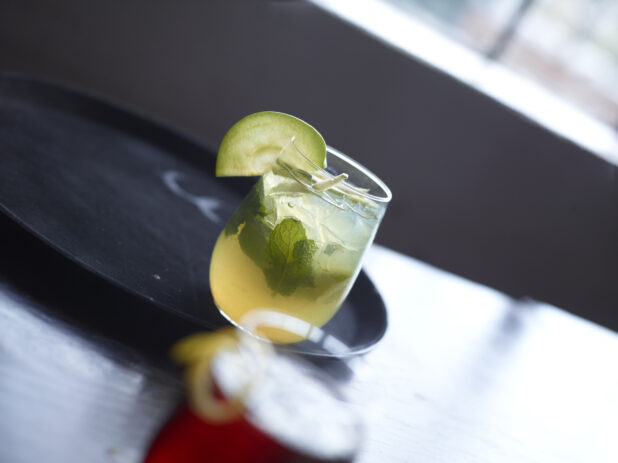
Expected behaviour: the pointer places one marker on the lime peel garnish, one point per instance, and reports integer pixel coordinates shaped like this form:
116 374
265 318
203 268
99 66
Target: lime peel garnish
329 183
198 352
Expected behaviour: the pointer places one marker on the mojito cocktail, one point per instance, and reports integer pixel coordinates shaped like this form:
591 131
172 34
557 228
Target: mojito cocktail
295 244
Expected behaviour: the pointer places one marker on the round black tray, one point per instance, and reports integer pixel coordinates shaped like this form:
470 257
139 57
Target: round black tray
133 202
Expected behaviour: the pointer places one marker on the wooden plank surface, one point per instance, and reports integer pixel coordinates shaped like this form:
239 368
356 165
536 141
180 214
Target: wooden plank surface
463 374
467 374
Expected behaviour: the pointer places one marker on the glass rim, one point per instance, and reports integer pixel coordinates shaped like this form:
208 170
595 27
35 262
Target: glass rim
388 195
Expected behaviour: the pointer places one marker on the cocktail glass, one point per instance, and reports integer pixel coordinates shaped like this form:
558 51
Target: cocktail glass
295 244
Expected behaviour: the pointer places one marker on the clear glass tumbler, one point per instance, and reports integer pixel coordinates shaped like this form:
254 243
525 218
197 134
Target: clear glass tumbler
295 244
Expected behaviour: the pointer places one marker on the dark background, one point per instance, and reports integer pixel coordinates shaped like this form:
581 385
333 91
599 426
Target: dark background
478 190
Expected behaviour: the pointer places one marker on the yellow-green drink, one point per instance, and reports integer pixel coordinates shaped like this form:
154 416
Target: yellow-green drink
295 244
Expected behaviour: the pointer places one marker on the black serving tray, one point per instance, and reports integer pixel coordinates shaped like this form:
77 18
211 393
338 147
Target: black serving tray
133 202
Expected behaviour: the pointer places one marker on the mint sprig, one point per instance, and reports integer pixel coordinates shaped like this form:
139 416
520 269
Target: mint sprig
289 255
249 208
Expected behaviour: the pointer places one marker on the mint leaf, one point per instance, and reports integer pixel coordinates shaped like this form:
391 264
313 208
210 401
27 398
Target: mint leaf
250 207
290 254
331 248
252 239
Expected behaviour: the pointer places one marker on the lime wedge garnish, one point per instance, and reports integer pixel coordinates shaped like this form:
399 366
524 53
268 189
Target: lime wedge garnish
252 145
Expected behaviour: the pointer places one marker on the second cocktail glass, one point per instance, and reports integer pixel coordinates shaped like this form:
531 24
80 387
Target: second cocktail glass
295 244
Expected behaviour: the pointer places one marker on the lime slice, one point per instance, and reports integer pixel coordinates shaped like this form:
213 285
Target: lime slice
252 145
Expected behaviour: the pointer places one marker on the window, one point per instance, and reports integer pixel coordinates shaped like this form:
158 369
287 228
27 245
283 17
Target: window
554 61
570 47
